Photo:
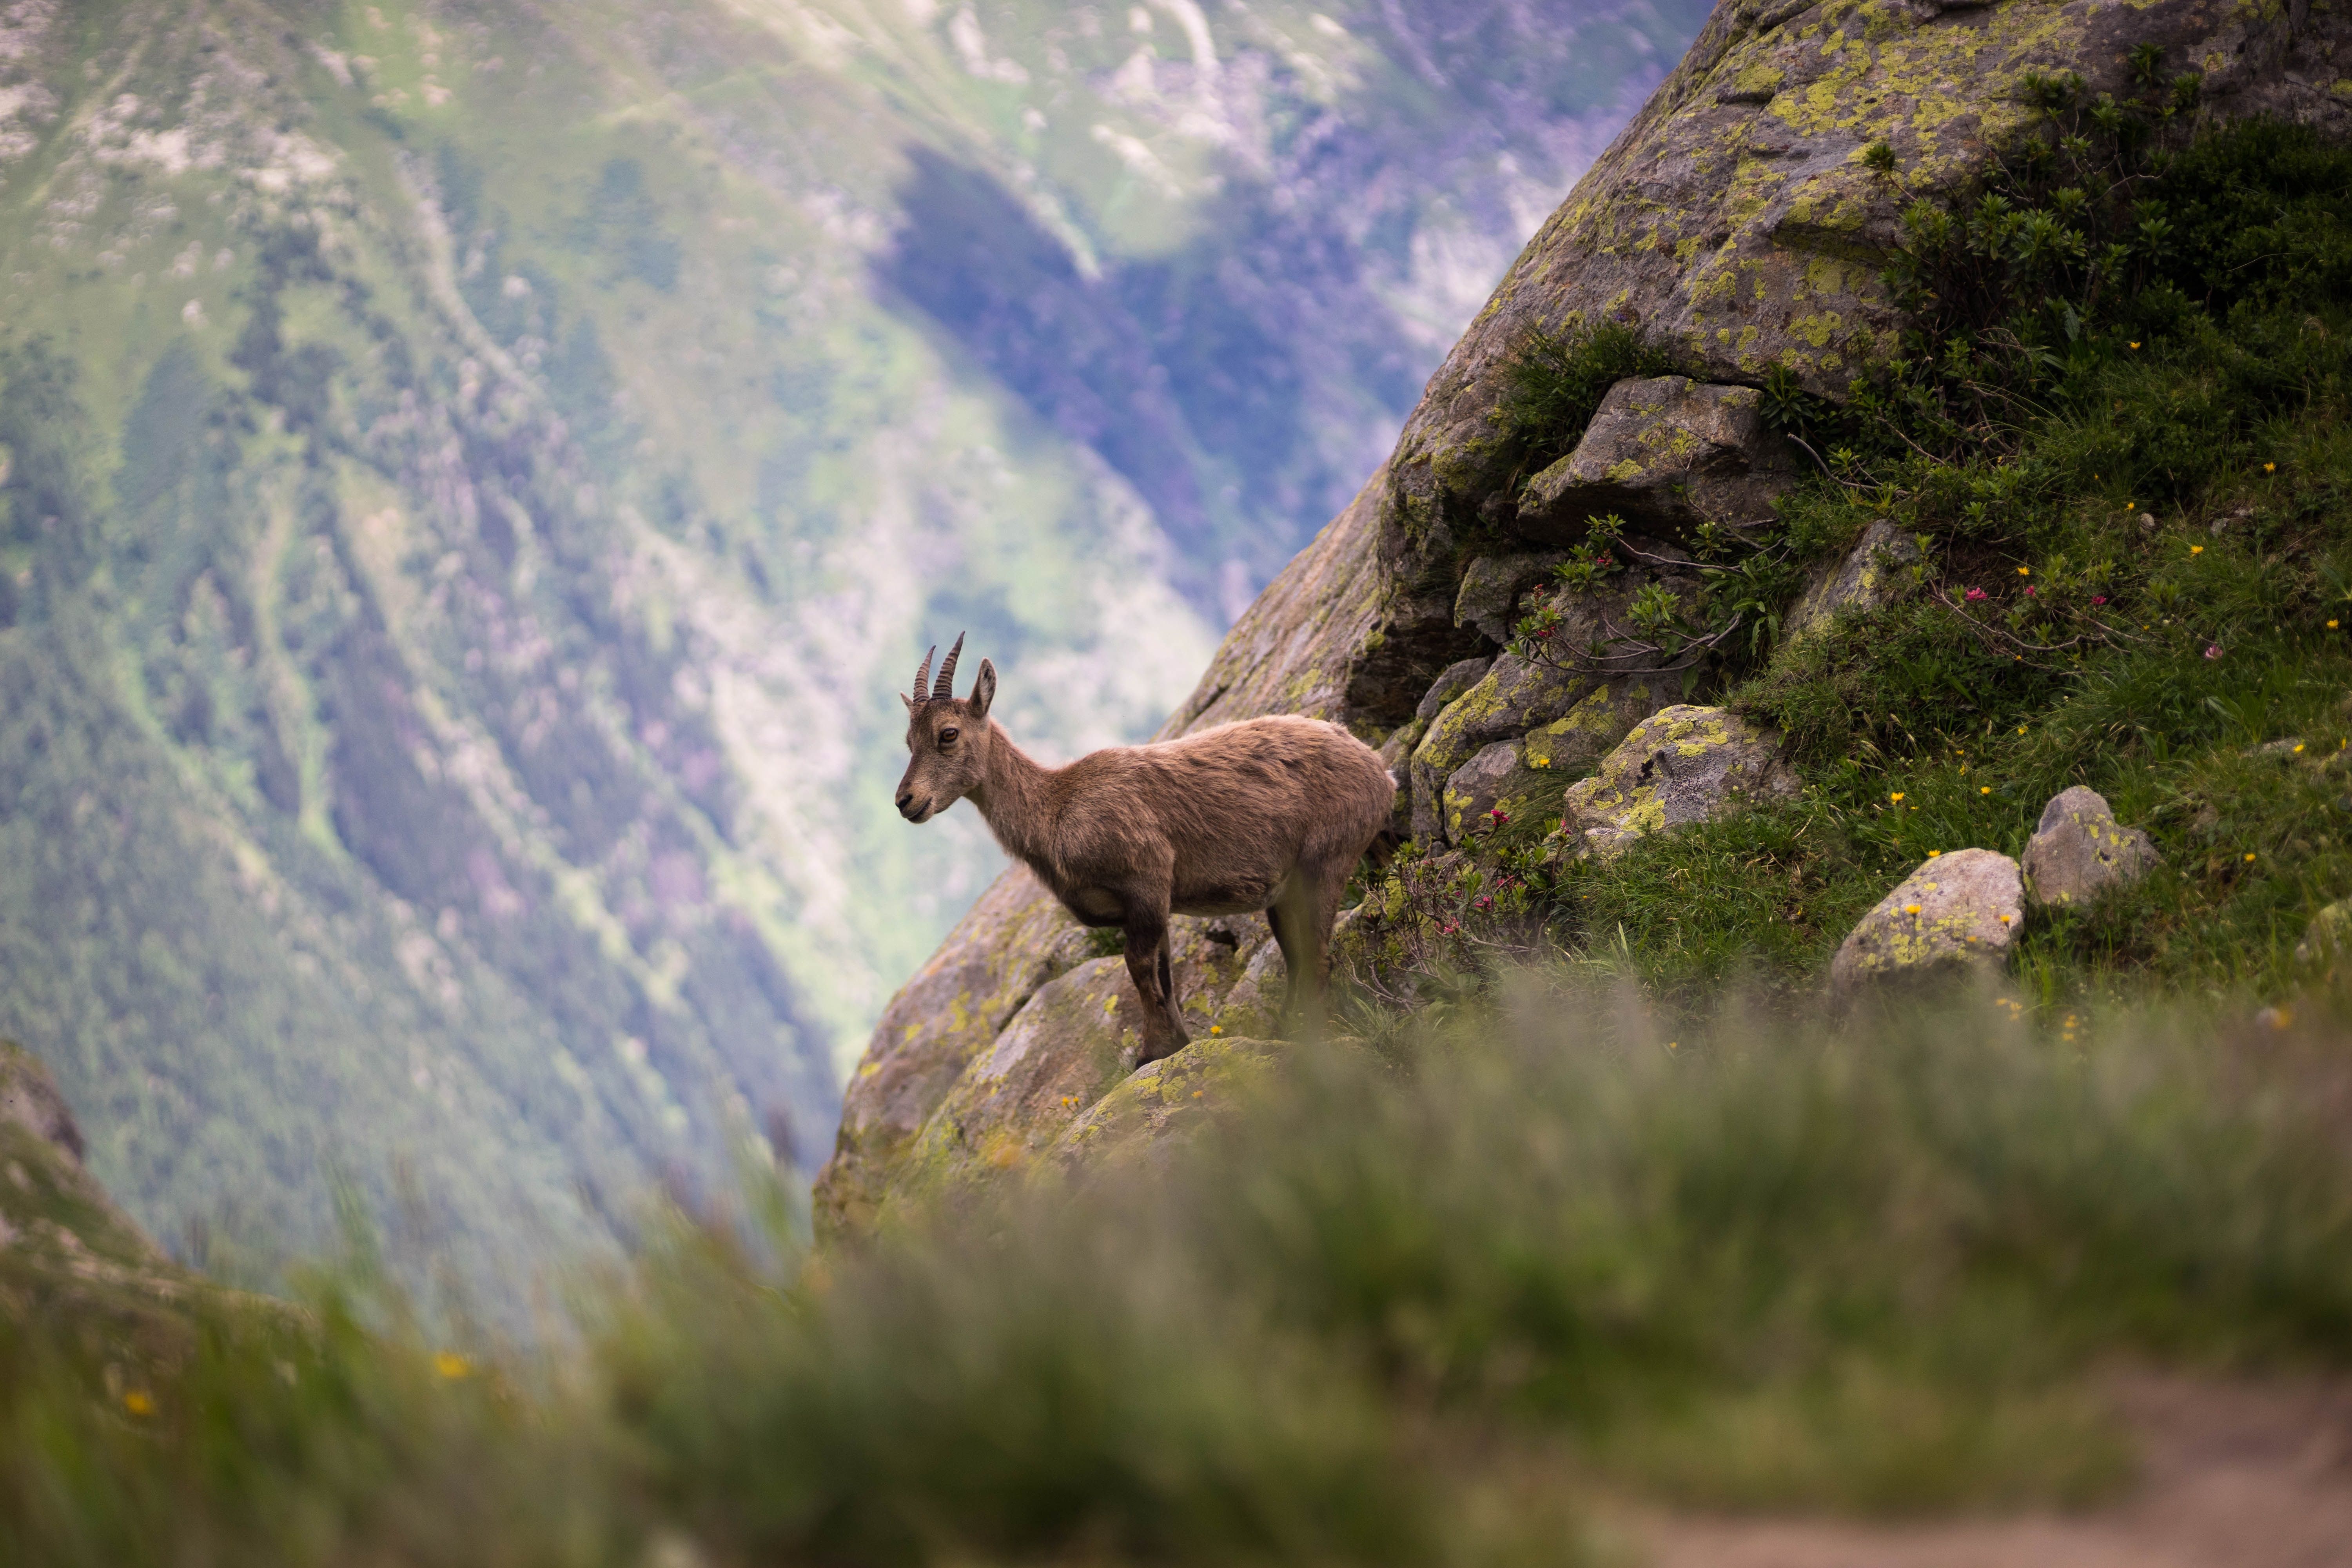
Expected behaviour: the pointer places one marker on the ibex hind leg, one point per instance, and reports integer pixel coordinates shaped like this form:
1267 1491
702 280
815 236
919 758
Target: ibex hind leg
1302 927
1149 967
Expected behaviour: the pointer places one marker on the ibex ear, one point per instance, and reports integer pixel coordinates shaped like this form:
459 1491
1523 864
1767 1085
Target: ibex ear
908 701
984 690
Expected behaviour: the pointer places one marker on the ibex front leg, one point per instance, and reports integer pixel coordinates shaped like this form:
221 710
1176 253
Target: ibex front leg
1147 965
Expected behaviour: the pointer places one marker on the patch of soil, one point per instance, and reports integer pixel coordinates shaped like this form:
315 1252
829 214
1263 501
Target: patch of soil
2232 1476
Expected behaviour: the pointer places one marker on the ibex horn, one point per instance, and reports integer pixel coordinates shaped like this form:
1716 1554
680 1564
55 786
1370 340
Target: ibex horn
923 672
946 686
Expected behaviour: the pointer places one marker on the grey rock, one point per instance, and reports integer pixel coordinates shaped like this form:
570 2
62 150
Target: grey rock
1682 764
1665 454
1957 911
1486 782
1456 680
1736 221
2327 939
1874 574
2079 852
1570 746
1493 586
1516 696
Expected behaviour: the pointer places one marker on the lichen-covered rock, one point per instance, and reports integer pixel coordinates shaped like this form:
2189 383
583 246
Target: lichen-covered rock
1453 682
1516 696
1571 745
1959 910
2079 852
1680 765
1015 940
1481 786
1875 573
1065 1048
1735 220
1665 454
1163 1102
1491 590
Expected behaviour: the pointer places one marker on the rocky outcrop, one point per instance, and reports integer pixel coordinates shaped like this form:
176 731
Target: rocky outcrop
1664 454
69 1257
1873 575
1163 1102
1682 764
2327 939
1959 911
2079 852
1735 221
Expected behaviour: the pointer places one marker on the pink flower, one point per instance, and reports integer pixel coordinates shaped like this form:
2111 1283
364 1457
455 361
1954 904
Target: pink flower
1975 594
2212 650
2029 592
2098 598
1500 816
1543 632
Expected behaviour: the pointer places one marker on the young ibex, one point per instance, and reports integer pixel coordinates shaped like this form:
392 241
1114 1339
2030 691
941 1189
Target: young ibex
1269 814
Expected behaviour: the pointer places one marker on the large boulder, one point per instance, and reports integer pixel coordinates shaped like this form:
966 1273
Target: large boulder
2079 852
1013 941
1160 1105
1665 454
1959 911
1735 222
1682 764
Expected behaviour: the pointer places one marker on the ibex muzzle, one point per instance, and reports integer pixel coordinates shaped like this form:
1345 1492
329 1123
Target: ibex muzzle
1269 814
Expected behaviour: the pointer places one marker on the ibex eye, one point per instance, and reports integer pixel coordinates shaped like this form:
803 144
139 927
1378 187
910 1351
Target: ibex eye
949 734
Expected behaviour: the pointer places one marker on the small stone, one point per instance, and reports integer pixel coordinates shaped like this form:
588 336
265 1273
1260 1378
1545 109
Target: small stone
1873 574
1665 454
2078 851
1961 910
1682 764
2329 938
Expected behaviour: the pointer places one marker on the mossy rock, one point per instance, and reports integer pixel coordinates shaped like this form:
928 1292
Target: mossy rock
1680 765
1163 1102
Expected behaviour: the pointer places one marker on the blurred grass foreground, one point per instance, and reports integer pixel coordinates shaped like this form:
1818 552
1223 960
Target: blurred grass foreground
1445 1290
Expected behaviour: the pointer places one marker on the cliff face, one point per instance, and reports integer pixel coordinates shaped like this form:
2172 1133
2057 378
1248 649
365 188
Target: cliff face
1733 221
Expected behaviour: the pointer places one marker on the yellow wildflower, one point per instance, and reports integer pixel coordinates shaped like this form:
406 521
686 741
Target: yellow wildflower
1984 789
139 1402
1935 854
2196 550
2250 855
2270 467
1910 909
1896 796
2025 570
452 1365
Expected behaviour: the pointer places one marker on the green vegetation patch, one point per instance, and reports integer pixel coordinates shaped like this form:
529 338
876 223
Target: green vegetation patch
2121 434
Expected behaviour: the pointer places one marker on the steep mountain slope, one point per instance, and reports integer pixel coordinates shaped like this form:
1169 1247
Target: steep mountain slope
476 473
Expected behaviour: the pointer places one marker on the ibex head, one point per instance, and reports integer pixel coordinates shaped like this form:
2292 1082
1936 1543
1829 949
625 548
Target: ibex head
947 735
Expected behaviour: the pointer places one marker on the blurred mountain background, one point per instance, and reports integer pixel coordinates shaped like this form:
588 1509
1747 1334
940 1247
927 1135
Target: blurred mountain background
476 475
